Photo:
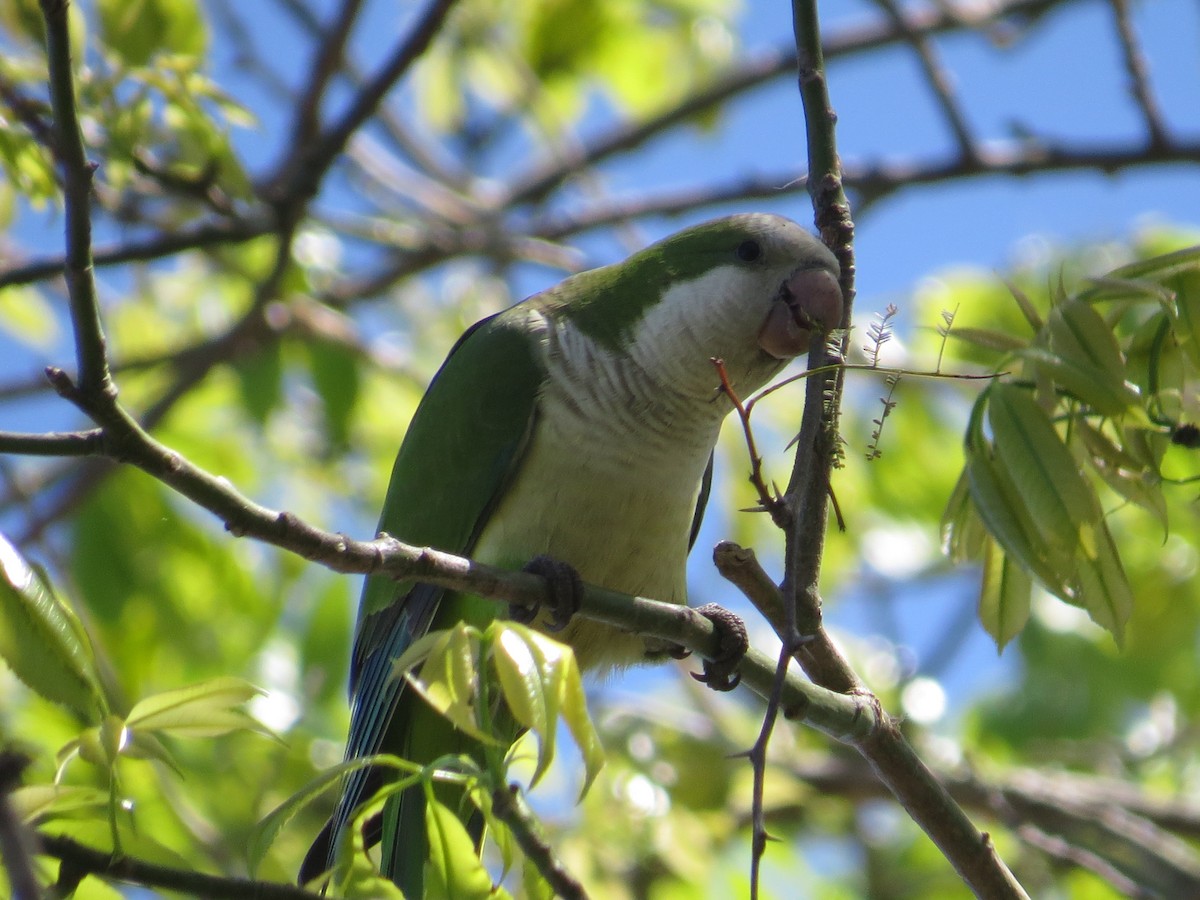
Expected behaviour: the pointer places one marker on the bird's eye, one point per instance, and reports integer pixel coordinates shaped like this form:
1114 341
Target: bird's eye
748 251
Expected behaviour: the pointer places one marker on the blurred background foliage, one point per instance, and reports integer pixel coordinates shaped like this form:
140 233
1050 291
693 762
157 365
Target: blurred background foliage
482 178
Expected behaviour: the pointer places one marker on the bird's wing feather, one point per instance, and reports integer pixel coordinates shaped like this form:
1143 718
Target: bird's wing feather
461 450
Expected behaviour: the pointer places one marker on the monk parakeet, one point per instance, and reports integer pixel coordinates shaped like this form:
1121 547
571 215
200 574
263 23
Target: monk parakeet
577 425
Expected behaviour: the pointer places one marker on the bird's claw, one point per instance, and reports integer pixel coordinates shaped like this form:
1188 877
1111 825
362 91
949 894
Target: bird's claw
720 673
566 592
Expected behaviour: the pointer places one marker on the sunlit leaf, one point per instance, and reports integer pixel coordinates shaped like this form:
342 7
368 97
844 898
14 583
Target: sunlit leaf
528 688
43 641
454 871
137 29
38 803
267 831
25 314
449 677
202 710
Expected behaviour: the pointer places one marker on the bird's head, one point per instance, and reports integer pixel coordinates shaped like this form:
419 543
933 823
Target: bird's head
749 289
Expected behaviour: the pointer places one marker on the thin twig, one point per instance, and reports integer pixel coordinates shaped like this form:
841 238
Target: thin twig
1139 76
936 76
207 234
328 61
302 176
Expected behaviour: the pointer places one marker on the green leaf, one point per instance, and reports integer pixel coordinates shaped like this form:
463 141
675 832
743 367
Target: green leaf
1083 382
325 648
1122 472
1003 596
260 377
336 377
1156 268
528 688
963 534
449 675
1028 310
1004 514
27 316
43 642
454 871
1064 508
1079 333
207 709
137 29
38 803
267 830
1186 286
541 682
1063 505
1104 587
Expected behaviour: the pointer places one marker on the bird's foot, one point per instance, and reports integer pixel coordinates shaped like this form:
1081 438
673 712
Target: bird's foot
566 592
720 673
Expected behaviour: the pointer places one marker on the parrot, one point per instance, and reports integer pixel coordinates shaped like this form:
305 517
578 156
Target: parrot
576 426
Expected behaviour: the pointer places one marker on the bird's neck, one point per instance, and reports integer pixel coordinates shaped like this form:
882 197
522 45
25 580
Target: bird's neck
610 396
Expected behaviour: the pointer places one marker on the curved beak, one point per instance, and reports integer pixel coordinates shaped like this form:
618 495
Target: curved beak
809 300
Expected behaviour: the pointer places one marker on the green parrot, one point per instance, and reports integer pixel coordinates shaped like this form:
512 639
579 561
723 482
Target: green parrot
577 426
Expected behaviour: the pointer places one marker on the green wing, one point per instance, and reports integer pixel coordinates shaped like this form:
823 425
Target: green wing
461 450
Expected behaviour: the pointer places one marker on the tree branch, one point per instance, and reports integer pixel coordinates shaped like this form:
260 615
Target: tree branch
87 860
510 807
302 173
53 443
207 234
77 188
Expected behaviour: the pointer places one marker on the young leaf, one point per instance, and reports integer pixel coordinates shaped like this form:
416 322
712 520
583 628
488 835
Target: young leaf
38 803
963 534
1062 503
1003 511
454 871
1123 473
1104 588
1003 596
528 688
267 830
1186 286
448 678
202 710
42 640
